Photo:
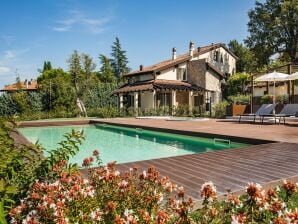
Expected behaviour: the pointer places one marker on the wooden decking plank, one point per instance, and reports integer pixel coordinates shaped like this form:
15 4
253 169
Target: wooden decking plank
229 169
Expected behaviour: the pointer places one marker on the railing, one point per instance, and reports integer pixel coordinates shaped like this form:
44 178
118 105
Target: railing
220 141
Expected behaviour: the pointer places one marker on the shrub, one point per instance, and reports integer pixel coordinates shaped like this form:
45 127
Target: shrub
282 98
266 99
239 99
8 106
108 196
220 109
21 165
199 111
182 110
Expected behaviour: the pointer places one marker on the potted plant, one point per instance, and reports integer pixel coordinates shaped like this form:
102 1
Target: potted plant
238 104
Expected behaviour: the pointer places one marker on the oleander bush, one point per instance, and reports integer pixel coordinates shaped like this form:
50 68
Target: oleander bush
108 196
21 165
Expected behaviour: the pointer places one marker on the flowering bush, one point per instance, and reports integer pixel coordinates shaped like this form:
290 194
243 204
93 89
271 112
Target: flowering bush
108 196
105 197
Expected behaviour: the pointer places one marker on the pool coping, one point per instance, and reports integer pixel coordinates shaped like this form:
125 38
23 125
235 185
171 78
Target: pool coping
252 141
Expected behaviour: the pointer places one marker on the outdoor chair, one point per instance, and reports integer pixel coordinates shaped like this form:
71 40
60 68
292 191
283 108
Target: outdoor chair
289 110
264 109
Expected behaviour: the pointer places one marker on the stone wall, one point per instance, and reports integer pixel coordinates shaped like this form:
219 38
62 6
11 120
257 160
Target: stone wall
196 72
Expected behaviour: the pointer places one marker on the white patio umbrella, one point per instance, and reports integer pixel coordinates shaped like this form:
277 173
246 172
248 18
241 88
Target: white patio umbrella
294 76
273 77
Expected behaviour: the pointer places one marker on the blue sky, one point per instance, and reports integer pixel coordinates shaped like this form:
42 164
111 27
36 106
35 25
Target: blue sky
33 31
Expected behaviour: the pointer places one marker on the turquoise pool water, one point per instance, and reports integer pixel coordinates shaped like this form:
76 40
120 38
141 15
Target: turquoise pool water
124 144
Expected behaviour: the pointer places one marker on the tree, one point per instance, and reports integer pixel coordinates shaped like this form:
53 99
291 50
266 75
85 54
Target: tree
119 60
75 69
273 30
238 83
78 80
88 65
106 73
246 61
46 67
51 74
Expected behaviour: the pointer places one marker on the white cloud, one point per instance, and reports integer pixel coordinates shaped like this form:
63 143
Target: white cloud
9 54
79 20
4 70
12 54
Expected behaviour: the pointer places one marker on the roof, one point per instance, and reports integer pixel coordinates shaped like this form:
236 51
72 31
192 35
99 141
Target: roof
180 59
26 85
216 70
158 84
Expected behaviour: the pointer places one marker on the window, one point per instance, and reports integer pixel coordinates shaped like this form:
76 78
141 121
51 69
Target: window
216 56
181 74
221 58
163 99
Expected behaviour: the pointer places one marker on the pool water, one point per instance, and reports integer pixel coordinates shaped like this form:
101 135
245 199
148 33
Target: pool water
122 144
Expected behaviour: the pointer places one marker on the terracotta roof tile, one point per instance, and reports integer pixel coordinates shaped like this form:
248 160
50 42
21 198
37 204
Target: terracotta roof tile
157 84
180 59
32 85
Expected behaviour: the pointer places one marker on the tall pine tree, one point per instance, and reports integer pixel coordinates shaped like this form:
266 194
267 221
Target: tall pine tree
119 59
106 73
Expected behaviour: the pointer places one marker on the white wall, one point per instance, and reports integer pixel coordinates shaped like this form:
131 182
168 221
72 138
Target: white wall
279 90
171 73
229 62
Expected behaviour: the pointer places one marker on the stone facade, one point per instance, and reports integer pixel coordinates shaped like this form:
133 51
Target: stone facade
196 71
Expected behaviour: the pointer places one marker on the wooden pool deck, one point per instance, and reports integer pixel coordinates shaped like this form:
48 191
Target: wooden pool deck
231 169
267 163
228 169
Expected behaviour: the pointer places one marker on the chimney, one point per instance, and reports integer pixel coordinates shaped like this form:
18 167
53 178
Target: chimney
26 83
191 48
174 54
141 67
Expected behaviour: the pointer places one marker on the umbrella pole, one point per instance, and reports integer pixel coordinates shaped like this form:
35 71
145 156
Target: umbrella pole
274 95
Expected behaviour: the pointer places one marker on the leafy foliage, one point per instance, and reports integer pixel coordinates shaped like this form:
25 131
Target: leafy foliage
109 196
106 73
220 109
246 59
238 83
8 106
21 165
266 99
273 29
239 99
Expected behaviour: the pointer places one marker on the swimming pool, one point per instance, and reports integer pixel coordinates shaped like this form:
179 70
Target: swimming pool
123 144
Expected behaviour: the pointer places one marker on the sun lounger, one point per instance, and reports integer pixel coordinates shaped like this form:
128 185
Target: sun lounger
289 110
264 109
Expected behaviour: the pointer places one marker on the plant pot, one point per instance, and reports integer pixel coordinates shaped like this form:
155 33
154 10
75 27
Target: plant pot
234 110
